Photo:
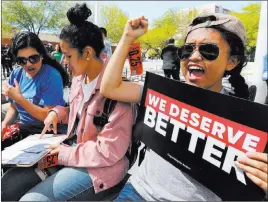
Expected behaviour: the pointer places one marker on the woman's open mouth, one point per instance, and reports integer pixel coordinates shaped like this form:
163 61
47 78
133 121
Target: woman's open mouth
30 69
195 73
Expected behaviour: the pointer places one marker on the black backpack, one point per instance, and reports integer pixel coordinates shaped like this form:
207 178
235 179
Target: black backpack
101 120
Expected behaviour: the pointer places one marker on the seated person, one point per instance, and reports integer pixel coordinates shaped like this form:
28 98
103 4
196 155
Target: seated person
217 48
95 158
36 85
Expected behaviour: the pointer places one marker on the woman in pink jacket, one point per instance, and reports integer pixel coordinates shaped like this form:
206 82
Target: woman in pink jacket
95 160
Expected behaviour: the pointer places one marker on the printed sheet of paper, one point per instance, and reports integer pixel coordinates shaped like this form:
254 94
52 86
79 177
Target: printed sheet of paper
30 149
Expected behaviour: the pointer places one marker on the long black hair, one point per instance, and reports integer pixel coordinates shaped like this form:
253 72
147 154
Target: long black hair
237 49
81 33
28 39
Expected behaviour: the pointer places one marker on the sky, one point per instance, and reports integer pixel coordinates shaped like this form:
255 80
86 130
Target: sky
154 9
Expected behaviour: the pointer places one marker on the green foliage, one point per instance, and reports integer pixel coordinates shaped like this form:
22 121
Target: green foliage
157 38
178 18
6 29
114 22
153 54
173 24
250 17
35 16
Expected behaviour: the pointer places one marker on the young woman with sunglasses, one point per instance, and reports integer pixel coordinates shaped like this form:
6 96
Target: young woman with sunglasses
214 47
36 85
94 158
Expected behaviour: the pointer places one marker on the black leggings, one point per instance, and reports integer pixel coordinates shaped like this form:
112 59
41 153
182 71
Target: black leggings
22 180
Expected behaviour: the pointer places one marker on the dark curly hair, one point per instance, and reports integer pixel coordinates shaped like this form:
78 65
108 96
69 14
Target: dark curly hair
81 33
237 49
28 39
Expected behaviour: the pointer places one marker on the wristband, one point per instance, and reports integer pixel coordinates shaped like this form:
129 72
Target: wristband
52 110
125 42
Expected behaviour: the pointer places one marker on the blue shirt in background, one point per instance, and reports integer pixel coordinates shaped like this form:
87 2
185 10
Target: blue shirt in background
107 48
44 89
265 69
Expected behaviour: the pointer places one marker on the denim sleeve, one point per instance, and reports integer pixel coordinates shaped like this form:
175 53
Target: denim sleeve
53 91
108 48
265 69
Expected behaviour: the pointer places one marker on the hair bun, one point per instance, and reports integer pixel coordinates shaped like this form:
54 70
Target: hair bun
78 14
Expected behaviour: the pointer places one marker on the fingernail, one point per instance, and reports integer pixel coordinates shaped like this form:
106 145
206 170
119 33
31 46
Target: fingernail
242 158
249 153
46 146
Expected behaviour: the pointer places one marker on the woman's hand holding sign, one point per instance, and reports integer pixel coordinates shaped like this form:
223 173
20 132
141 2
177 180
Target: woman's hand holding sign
256 168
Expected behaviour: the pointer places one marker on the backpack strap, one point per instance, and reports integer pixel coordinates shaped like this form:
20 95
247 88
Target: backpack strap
101 120
109 106
142 154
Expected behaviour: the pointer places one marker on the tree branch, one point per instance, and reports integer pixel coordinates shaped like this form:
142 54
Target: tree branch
41 22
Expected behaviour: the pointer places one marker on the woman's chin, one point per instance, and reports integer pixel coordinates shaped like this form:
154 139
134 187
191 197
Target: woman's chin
197 84
75 74
31 74
192 83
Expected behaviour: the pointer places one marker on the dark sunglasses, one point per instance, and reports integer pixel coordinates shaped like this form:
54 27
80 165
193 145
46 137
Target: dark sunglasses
32 59
208 51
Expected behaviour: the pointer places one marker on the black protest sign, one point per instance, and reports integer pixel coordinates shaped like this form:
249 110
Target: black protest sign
202 133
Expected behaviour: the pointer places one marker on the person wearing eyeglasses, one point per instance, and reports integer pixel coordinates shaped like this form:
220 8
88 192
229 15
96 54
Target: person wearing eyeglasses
214 47
94 155
36 85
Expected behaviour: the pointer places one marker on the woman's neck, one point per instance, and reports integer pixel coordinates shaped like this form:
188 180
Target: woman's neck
94 70
217 88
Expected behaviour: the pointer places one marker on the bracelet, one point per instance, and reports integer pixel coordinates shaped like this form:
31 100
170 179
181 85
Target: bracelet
125 42
52 110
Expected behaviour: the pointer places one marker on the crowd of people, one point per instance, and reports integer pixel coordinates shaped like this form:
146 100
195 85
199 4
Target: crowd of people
6 61
93 159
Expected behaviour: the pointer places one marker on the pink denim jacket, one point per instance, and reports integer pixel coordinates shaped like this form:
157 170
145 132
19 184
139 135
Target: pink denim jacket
101 152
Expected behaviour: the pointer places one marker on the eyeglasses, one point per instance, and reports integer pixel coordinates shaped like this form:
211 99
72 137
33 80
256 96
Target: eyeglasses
208 51
32 59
